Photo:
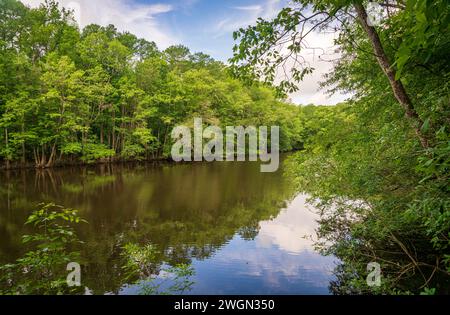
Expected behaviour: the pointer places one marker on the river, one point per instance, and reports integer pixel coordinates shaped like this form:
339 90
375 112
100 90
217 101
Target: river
240 230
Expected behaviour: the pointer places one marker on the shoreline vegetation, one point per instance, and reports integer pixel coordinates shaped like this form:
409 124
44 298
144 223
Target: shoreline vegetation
388 147
63 164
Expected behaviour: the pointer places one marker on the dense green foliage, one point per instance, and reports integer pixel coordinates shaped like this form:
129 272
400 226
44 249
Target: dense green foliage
42 270
98 94
384 196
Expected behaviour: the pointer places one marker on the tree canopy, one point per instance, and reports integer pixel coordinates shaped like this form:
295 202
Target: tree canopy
69 95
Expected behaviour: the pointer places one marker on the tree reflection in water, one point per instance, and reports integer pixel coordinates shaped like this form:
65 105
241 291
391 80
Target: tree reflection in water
185 212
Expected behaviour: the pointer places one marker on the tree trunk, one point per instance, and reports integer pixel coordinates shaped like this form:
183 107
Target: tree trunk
36 161
43 157
122 133
113 132
23 144
6 145
52 156
397 87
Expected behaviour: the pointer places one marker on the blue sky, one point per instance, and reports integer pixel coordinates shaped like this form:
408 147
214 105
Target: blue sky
201 25
207 25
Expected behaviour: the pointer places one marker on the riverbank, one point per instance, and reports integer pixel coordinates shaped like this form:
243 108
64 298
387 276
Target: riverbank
62 164
29 165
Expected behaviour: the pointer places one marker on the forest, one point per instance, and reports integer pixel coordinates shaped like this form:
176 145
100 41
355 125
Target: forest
376 166
98 95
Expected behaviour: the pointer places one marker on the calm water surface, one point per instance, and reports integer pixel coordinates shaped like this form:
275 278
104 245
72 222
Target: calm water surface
242 231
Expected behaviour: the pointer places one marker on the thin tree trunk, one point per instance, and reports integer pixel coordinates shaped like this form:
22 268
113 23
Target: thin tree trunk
397 87
43 157
36 160
113 131
158 149
52 156
165 140
7 144
23 144
122 127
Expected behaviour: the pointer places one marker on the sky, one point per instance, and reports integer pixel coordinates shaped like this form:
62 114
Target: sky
203 26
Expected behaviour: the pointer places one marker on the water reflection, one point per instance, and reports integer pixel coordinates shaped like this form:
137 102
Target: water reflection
280 260
241 230
293 229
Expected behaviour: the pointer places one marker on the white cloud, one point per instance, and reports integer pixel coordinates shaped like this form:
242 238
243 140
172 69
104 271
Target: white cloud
283 248
257 8
292 229
242 16
321 59
139 19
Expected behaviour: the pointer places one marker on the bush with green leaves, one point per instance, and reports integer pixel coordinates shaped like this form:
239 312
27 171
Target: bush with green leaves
42 270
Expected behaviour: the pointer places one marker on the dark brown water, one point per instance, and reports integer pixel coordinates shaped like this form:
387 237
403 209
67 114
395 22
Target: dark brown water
242 231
